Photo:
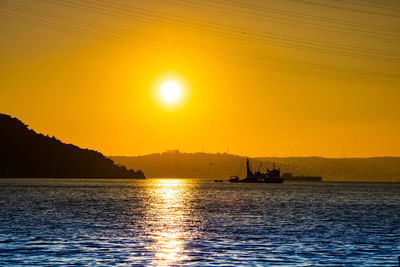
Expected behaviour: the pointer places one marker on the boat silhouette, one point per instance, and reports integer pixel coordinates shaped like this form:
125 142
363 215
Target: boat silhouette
302 178
270 176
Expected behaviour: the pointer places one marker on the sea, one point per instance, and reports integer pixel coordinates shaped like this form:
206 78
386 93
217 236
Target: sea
179 222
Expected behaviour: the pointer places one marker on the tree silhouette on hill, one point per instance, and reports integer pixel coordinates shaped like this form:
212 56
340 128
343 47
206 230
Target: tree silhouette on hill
25 153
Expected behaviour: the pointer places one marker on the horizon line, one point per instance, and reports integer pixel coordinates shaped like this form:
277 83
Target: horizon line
254 157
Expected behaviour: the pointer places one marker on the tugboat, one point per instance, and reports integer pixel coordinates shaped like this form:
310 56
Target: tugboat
271 176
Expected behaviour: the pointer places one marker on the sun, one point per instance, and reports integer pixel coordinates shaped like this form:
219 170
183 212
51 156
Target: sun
170 91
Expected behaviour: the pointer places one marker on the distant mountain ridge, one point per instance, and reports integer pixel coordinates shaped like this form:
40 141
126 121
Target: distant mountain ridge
25 153
208 165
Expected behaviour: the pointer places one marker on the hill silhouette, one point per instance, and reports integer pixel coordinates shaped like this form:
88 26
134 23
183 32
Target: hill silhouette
25 153
208 165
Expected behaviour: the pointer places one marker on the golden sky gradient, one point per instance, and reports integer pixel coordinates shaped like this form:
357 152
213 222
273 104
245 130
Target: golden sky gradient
264 78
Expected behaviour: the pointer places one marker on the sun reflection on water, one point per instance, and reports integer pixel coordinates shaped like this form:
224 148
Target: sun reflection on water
166 219
169 248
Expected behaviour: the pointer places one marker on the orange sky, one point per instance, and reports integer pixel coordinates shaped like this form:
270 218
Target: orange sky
265 78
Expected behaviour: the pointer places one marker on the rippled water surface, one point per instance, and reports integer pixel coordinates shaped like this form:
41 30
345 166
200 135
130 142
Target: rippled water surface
193 222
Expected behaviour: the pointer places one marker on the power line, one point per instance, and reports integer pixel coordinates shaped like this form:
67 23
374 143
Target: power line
225 27
225 59
295 22
291 14
379 3
237 33
348 9
235 57
368 4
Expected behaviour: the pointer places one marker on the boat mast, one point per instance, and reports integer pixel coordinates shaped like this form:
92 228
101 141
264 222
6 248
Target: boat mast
249 173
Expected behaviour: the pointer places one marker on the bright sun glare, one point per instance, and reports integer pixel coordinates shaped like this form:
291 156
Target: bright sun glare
170 91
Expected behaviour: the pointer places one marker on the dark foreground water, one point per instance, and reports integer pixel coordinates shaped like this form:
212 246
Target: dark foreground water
193 222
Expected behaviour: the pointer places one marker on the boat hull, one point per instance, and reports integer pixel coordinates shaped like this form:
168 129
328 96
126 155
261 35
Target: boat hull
265 181
304 179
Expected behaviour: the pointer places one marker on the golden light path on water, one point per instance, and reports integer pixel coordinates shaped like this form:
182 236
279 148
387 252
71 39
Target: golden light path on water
166 218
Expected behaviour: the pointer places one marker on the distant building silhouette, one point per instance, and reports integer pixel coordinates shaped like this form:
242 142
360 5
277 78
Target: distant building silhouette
172 151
